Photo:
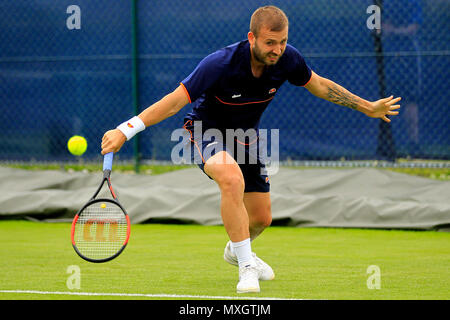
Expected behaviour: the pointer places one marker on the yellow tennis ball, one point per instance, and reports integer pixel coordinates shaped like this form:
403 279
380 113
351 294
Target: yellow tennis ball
77 145
103 205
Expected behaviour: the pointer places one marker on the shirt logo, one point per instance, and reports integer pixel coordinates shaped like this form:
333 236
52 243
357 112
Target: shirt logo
211 144
235 96
273 90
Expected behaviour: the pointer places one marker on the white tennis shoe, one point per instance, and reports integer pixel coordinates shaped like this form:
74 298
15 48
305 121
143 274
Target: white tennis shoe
248 280
265 272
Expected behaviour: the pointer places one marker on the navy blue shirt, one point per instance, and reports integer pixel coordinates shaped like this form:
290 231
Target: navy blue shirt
225 93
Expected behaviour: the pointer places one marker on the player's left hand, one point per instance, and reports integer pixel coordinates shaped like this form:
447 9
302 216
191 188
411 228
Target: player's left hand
385 107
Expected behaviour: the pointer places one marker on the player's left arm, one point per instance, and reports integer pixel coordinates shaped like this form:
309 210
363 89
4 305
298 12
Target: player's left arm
333 92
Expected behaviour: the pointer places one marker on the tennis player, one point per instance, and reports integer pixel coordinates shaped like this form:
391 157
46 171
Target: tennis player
230 89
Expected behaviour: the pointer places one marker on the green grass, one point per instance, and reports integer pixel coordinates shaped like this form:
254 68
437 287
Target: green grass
187 260
432 173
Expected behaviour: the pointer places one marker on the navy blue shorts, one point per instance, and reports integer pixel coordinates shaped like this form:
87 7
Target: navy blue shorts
244 152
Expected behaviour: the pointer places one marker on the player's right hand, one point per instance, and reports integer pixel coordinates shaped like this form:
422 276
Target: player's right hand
112 141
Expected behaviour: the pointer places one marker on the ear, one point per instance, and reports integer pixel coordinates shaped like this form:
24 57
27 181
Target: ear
251 38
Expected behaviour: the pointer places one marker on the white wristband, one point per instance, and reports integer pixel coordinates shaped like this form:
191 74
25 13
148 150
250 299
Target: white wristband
131 127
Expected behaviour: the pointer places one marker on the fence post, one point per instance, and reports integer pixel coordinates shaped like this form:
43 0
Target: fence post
386 146
135 82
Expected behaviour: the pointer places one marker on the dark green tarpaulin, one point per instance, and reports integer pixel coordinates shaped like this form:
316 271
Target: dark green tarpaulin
356 198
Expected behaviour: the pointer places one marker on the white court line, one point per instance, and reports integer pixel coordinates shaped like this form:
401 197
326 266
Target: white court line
148 295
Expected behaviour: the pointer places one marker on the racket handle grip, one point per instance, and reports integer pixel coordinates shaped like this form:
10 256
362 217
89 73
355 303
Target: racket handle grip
107 161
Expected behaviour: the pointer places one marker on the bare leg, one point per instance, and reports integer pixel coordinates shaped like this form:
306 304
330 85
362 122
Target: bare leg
258 207
226 173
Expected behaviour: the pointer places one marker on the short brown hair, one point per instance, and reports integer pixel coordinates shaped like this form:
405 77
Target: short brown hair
269 16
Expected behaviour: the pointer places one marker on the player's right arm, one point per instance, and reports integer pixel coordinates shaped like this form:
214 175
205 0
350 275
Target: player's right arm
114 139
203 77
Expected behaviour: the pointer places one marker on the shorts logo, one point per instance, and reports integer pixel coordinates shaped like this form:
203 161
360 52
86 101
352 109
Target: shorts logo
273 90
267 179
235 96
130 125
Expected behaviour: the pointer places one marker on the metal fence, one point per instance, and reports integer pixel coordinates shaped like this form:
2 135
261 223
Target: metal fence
81 67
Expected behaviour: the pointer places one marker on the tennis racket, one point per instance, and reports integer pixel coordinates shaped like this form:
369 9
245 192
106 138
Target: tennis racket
101 229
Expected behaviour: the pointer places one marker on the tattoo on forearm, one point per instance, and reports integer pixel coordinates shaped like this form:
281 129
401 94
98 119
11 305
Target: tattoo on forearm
339 96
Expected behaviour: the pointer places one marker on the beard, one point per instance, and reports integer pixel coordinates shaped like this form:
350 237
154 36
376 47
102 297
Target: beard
264 57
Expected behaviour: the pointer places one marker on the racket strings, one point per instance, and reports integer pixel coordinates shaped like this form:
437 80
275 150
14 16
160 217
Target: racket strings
101 231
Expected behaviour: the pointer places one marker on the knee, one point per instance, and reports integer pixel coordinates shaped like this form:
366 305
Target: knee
263 219
231 182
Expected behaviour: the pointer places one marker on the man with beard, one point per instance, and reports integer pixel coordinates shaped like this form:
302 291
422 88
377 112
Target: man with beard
230 89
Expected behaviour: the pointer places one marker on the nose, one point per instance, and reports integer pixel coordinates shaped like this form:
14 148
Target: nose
277 50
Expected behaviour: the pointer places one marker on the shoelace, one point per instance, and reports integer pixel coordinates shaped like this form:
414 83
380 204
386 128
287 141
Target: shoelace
244 271
259 262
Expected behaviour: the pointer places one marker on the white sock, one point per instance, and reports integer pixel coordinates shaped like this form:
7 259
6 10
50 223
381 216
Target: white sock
232 249
243 252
